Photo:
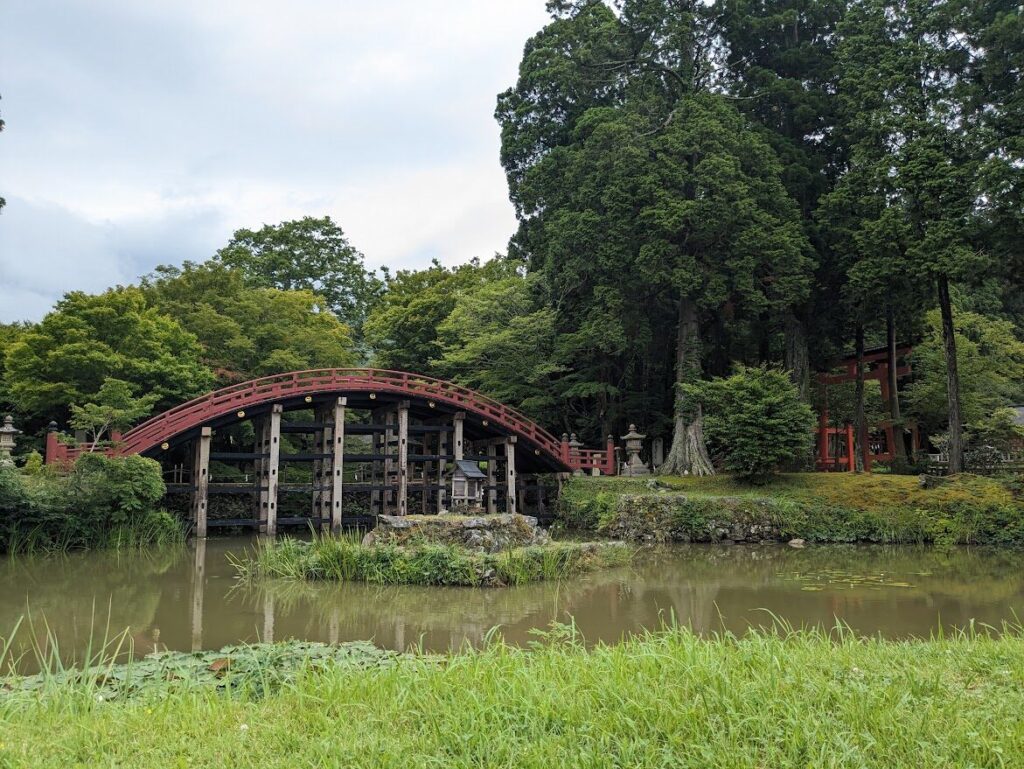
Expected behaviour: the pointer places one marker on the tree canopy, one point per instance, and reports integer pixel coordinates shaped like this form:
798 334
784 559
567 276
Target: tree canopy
308 254
245 331
87 339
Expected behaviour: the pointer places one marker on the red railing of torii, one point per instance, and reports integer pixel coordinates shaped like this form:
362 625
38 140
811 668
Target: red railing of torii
236 398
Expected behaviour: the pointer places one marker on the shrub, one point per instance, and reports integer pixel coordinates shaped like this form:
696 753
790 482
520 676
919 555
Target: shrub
100 501
755 421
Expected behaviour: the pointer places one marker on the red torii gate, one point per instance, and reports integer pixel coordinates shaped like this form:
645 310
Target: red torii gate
876 367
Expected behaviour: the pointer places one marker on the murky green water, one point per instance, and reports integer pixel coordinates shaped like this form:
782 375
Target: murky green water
190 599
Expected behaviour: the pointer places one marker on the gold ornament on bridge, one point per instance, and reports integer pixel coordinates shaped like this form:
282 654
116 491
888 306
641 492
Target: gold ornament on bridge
240 414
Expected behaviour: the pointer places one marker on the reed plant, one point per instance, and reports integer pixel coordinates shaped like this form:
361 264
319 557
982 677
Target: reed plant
343 558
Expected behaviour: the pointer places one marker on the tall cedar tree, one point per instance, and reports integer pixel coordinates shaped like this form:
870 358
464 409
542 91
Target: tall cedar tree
646 201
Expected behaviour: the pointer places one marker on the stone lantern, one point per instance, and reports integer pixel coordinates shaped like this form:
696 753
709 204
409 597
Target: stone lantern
575 444
634 443
8 440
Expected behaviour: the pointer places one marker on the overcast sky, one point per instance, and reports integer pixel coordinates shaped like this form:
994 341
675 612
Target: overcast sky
144 132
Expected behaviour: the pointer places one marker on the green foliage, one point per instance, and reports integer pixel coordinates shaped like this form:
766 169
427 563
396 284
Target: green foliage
990 359
33 464
101 501
87 339
115 408
251 670
341 559
500 340
817 507
639 190
769 698
403 328
248 331
755 420
307 254
999 430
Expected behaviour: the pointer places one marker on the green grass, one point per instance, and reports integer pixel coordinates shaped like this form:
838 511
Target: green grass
344 559
670 699
823 507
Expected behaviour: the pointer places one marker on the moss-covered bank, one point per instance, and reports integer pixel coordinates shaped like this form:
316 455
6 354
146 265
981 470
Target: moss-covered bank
666 700
816 507
424 563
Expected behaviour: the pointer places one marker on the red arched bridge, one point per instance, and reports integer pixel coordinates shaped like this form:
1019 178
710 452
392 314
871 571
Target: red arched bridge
364 440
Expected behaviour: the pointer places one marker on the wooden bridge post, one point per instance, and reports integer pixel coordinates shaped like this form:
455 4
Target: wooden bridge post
201 480
318 467
337 463
459 422
403 458
510 474
442 449
271 467
492 492
198 589
385 506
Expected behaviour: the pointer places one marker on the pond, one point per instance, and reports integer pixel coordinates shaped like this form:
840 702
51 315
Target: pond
189 599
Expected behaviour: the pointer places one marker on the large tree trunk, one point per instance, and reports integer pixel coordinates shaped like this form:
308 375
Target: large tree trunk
956 440
689 453
860 422
900 447
797 360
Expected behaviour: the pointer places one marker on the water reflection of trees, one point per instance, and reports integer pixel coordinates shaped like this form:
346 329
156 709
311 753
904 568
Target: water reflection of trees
78 600
188 599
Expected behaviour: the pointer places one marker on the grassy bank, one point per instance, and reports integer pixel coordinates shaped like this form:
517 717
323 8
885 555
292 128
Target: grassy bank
668 700
839 507
344 559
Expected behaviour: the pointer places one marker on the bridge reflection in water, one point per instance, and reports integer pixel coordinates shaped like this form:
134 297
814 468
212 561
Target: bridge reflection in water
189 599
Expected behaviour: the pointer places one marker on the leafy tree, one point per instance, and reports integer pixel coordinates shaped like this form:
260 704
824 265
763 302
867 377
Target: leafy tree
990 359
999 430
88 338
114 408
756 420
402 329
780 64
245 331
306 254
903 75
500 340
657 210
9 334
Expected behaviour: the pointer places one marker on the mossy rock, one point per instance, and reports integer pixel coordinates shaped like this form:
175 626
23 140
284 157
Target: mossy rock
478 533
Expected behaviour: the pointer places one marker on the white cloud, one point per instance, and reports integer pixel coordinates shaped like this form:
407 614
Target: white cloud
141 133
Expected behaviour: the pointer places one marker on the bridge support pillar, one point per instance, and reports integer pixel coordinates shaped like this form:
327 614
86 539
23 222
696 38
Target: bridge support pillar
442 449
337 463
403 458
459 423
510 474
492 491
269 482
201 480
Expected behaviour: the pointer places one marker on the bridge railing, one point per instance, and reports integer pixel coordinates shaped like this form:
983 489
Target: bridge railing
239 396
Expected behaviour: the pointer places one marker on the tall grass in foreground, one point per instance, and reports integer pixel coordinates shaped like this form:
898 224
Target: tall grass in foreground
669 699
345 559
